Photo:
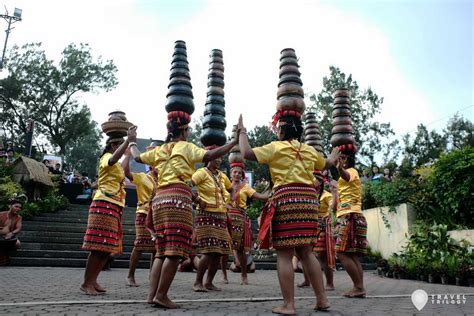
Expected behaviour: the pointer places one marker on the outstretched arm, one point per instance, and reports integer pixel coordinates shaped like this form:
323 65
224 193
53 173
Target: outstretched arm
333 158
126 165
260 196
219 151
118 153
244 144
132 138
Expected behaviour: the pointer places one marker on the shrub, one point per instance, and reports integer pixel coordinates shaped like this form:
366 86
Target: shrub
8 189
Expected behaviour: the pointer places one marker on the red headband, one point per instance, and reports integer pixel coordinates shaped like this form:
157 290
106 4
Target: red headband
178 115
237 165
276 117
348 147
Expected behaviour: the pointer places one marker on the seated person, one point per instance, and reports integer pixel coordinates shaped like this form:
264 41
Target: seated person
235 265
10 225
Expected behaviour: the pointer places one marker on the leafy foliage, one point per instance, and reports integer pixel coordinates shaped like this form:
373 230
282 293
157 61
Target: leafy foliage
259 136
424 148
365 105
38 90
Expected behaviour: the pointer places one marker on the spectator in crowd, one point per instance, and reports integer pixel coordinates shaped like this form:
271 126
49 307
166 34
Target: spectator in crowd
57 169
376 175
3 152
10 224
10 156
365 176
396 173
386 175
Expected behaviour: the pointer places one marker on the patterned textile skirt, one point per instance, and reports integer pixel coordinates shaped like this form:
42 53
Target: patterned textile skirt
212 235
173 221
290 218
351 233
143 240
241 230
325 243
104 228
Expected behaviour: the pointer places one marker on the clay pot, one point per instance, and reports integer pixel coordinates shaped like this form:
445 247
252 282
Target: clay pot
116 128
117 116
342 93
287 52
215 81
216 66
312 137
212 136
344 100
180 103
341 106
180 51
214 121
309 126
341 112
342 129
341 120
290 89
217 59
290 78
180 43
179 58
288 61
236 157
215 73
180 89
180 64
179 72
216 52
289 69
213 108
215 98
342 139
295 103
215 91
180 80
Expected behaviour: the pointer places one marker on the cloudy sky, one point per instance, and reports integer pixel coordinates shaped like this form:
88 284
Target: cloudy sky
417 54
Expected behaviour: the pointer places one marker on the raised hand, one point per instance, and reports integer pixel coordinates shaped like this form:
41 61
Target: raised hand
132 133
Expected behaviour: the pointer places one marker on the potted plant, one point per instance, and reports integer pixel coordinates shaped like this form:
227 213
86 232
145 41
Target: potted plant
435 268
450 267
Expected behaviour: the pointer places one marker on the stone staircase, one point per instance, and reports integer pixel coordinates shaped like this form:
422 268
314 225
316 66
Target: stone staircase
55 240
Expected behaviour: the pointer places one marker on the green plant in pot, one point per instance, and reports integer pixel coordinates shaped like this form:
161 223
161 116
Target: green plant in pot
434 270
451 266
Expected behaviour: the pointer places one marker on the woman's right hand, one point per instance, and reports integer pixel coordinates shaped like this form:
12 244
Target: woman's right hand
132 133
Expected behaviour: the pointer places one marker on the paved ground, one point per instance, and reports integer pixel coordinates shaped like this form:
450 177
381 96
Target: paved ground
36 291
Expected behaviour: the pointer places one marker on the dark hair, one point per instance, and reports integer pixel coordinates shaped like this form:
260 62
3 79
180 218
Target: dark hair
350 159
175 128
291 128
107 148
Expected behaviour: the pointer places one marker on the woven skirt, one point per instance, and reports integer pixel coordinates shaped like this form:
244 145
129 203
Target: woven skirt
143 240
325 244
104 228
241 230
173 221
212 235
351 233
290 218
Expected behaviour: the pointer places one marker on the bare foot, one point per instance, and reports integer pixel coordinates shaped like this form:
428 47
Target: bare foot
244 281
165 302
330 287
303 284
89 290
131 282
197 287
99 288
355 293
212 287
284 310
225 281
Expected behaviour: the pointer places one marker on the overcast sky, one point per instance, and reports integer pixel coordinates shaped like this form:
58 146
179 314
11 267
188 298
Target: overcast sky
418 55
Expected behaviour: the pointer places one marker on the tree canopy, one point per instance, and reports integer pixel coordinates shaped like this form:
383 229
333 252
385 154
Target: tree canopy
38 89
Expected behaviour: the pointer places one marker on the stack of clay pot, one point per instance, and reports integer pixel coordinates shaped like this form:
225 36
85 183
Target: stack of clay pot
290 92
342 132
214 122
117 125
312 133
180 94
235 155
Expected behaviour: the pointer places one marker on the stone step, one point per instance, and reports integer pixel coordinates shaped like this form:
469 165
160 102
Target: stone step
127 239
70 227
78 220
62 246
68 262
78 254
59 235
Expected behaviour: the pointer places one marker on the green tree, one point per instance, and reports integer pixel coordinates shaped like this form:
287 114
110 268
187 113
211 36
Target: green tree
365 105
425 148
259 136
37 89
83 153
459 132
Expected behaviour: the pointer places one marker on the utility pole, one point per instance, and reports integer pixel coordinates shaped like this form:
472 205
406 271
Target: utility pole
10 20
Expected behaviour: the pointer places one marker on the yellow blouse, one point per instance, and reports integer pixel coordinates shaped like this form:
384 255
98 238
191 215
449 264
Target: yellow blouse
216 196
145 185
175 161
245 193
111 186
324 204
290 162
350 194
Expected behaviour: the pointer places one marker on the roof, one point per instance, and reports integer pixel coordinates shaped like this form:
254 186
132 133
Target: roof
36 171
